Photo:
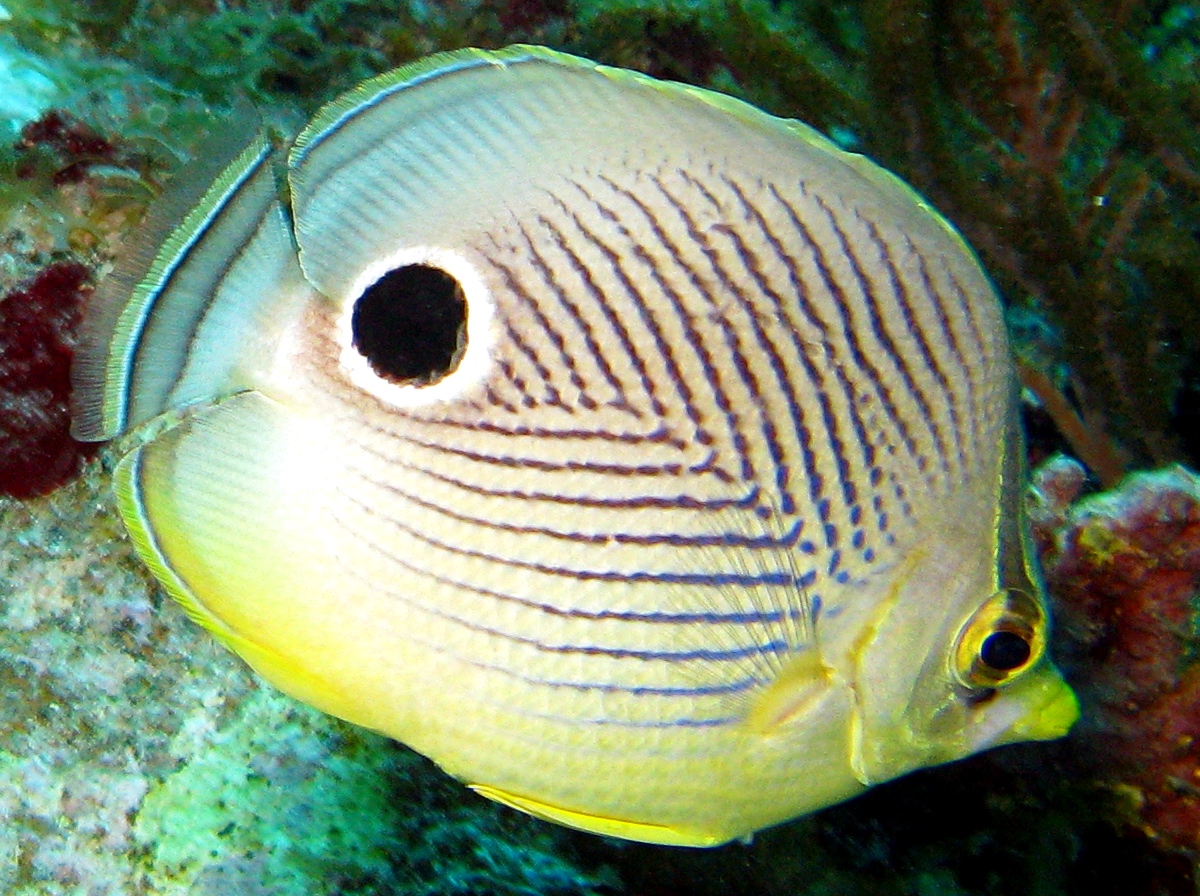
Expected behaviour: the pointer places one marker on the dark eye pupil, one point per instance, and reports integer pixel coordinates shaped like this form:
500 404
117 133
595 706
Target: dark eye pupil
410 325
1004 651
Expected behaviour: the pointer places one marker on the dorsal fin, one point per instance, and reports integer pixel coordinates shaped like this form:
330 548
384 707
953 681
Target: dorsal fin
211 252
416 143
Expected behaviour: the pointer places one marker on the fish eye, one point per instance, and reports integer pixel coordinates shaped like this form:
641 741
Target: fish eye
1003 638
1005 651
410 325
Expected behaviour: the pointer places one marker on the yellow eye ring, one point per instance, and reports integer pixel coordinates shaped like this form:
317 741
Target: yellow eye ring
1002 639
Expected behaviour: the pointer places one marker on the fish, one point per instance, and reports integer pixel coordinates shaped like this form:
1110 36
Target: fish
648 462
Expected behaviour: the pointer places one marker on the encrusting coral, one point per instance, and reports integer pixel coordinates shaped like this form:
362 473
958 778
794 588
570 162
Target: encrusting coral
1124 568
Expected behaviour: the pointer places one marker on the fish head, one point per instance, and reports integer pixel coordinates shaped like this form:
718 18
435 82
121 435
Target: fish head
953 659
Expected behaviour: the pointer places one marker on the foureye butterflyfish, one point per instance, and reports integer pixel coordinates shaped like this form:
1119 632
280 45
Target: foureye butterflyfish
647 461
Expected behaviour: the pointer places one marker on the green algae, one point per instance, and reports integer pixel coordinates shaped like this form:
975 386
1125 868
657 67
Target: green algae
285 800
278 793
269 51
1057 137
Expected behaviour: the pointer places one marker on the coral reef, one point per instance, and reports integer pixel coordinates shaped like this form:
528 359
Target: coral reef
1077 116
137 757
1078 121
1110 811
1058 136
1124 567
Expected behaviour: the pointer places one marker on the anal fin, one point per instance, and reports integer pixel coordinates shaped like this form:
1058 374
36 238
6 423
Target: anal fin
627 829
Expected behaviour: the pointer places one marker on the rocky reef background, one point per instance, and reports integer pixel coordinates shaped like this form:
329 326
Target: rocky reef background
138 757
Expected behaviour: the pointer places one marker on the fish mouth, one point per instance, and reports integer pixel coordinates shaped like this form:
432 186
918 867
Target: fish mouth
1042 707
1049 719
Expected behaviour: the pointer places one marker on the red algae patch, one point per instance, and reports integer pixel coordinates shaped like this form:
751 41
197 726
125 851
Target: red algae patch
37 341
75 147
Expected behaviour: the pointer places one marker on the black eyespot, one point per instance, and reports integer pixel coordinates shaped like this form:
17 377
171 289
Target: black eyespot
1004 651
411 325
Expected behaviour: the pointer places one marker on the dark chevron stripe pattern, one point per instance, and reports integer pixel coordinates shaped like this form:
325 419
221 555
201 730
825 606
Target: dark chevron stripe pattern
715 402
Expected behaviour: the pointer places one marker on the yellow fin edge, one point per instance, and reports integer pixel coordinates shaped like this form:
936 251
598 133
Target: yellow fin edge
660 834
279 670
128 490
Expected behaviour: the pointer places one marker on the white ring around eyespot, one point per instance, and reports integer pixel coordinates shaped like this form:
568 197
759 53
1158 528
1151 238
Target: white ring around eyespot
472 367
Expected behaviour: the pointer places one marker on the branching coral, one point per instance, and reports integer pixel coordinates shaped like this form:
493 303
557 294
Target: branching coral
1045 133
1058 135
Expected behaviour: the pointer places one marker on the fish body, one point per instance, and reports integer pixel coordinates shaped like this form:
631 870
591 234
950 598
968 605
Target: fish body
647 461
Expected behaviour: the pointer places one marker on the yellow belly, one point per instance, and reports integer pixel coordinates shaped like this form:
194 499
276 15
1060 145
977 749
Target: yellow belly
646 749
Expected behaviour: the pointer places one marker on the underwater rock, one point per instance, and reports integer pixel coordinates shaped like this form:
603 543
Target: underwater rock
137 756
